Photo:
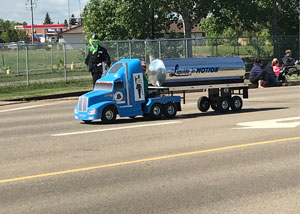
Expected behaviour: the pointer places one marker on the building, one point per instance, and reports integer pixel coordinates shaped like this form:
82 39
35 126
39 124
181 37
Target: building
45 33
73 38
177 27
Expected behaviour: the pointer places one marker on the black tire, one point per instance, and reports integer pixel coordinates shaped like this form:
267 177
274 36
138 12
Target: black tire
223 104
203 104
214 104
236 103
156 111
170 110
109 114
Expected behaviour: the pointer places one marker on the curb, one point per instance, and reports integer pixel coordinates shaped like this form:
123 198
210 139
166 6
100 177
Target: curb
52 96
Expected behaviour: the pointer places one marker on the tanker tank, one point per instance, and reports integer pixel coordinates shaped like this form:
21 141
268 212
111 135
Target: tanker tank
196 71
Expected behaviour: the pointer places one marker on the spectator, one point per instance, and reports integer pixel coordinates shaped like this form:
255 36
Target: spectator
257 74
96 57
276 70
288 60
272 80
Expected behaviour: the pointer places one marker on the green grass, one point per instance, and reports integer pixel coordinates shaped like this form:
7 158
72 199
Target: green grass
42 89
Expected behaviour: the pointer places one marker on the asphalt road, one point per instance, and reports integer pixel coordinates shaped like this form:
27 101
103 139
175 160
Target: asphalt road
246 162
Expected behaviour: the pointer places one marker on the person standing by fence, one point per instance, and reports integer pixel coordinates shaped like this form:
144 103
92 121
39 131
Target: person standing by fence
96 57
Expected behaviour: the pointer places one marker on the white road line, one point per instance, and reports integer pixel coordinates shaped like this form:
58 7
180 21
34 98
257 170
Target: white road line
26 107
116 128
291 122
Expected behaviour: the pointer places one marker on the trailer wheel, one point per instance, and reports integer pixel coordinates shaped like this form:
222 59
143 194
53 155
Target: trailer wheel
170 110
203 104
223 104
214 106
236 103
109 114
156 111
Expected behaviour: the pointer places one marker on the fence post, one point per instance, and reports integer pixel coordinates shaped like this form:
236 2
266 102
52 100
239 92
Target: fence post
17 59
27 67
51 58
257 48
217 46
186 48
118 51
85 50
145 42
130 49
159 49
65 61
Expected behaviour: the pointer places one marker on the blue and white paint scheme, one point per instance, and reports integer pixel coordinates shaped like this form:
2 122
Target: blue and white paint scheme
122 88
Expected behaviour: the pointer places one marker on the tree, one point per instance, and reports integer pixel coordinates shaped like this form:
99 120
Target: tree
47 19
73 20
280 17
10 34
128 19
65 22
191 12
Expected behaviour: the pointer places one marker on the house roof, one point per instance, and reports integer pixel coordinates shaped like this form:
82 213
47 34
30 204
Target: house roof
177 27
74 30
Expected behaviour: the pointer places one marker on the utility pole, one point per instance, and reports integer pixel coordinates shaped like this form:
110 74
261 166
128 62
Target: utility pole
31 4
69 12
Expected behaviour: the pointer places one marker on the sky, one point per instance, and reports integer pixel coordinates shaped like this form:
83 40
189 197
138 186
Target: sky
16 10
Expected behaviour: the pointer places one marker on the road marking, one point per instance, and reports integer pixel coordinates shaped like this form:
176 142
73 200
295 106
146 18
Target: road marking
116 128
148 159
26 107
290 122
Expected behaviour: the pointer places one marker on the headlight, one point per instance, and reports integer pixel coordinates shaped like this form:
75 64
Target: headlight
92 112
75 111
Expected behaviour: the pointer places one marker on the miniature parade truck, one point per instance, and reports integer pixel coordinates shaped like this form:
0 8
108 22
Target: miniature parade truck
121 91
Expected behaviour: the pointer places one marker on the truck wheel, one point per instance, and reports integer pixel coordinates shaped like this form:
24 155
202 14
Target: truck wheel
156 111
170 110
203 104
223 104
109 114
236 103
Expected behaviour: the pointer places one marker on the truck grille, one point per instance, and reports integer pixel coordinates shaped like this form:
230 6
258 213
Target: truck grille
83 103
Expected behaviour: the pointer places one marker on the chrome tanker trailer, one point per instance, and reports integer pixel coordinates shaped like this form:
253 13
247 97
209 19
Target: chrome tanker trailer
221 77
121 91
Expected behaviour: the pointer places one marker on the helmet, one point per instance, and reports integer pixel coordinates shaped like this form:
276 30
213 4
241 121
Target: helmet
95 37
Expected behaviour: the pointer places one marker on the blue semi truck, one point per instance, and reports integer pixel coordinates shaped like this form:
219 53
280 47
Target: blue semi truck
121 91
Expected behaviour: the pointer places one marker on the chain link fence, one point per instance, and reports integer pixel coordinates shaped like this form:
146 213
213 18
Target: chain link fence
27 63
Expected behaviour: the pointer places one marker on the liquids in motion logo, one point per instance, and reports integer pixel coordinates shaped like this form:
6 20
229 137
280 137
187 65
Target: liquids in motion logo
188 72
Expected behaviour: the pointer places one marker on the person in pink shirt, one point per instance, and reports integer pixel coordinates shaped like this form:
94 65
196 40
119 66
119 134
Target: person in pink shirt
277 69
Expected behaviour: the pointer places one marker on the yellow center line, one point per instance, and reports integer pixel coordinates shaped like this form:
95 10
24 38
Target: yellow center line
147 159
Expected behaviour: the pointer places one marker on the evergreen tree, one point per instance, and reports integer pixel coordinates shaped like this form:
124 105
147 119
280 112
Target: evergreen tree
47 19
65 22
73 20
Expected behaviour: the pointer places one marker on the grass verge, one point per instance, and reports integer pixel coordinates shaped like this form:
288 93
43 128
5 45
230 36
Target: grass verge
42 89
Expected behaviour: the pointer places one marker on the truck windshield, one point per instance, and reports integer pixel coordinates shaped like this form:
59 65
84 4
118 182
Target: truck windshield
106 86
116 67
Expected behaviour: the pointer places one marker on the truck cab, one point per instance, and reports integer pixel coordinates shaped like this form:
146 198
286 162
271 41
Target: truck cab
120 91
